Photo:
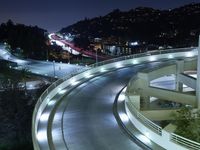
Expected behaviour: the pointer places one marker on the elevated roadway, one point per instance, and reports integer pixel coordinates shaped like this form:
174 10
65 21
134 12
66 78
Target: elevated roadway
77 113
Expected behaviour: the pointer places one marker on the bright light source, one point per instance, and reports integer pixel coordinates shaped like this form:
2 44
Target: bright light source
52 102
144 139
189 54
19 61
48 99
134 43
152 58
74 82
193 75
44 117
42 136
121 97
88 75
146 134
124 89
62 91
184 86
50 35
103 70
59 43
118 65
124 117
170 56
59 89
135 61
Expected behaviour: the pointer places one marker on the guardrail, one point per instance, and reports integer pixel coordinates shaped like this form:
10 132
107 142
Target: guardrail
81 70
185 142
145 121
149 53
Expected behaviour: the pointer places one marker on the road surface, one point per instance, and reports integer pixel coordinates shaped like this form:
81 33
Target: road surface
76 50
45 68
84 119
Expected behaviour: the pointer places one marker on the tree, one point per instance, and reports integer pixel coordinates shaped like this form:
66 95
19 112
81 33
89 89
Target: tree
23 75
82 42
31 39
188 123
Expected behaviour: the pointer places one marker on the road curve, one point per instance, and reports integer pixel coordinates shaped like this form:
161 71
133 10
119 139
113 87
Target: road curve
88 53
44 68
84 118
77 113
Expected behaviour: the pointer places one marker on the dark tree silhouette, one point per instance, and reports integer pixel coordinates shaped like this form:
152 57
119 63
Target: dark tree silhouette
32 40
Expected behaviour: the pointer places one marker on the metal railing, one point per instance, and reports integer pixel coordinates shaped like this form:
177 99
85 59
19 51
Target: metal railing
81 70
145 121
185 142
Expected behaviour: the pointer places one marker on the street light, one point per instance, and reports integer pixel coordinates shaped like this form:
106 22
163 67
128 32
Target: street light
96 57
47 53
54 71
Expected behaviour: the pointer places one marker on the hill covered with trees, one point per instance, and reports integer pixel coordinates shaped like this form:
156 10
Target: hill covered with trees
176 27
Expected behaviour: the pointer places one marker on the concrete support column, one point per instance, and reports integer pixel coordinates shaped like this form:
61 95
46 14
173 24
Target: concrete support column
198 77
146 102
179 69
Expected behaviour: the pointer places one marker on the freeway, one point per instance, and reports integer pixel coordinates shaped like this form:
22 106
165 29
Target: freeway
76 50
45 68
84 118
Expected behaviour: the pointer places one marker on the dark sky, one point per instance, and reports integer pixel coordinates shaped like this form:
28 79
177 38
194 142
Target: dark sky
53 15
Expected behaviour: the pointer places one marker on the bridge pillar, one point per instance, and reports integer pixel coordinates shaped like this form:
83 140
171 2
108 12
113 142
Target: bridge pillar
179 69
145 102
198 77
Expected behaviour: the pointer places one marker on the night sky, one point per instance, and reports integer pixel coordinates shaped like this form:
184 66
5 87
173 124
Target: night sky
53 15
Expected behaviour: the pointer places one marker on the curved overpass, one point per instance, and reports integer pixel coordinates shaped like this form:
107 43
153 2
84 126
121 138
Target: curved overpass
77 112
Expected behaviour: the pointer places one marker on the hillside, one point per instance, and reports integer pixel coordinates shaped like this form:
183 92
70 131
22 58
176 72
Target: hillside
177 27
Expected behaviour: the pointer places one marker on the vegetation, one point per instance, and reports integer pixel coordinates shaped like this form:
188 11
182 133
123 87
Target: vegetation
188 123
16 105
82 41
11 78
30 41
176 27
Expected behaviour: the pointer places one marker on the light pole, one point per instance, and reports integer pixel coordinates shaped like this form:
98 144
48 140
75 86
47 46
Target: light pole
69 58
54 71
47 55
96 57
